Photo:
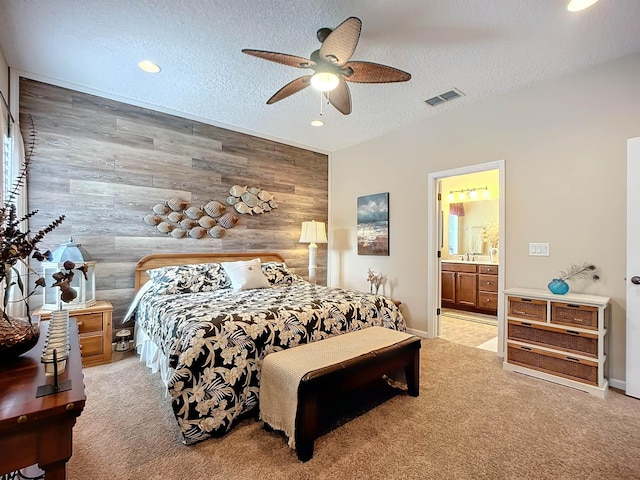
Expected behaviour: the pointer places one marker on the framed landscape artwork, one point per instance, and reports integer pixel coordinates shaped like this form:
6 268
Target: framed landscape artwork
373 224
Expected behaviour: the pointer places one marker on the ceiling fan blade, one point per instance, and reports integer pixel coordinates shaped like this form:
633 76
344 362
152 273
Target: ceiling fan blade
341 43
340 97
368 72
290 88
283 58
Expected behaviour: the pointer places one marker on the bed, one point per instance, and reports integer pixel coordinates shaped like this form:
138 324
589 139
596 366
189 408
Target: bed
207 339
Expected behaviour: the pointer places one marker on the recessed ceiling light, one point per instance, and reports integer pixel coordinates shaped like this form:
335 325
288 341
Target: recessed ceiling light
577 5
148 66
317 123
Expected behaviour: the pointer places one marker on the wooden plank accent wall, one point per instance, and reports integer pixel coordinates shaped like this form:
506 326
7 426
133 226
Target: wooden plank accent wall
104 164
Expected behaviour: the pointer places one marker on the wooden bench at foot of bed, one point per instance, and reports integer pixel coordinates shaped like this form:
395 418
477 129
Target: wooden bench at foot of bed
295 381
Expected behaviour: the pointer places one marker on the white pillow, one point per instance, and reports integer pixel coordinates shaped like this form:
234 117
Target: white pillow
246 275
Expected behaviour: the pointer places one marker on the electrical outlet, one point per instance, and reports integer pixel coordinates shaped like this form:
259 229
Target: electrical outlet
539 249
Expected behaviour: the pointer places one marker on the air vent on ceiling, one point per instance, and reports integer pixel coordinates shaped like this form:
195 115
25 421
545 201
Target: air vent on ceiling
444 97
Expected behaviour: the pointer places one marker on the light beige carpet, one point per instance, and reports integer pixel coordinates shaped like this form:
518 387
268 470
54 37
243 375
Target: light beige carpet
472 420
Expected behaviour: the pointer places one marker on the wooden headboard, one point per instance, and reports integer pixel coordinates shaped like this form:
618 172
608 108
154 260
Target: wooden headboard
157 260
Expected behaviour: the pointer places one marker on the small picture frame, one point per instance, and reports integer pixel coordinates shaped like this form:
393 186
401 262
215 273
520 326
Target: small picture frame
373 224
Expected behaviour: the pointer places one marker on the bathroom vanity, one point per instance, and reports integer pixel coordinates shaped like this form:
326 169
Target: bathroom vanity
470 286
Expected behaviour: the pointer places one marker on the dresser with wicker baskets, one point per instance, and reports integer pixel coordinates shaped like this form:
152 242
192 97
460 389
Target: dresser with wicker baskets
560 338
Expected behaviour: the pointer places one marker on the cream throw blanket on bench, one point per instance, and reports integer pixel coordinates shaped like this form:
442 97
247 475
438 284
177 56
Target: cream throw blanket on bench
283 370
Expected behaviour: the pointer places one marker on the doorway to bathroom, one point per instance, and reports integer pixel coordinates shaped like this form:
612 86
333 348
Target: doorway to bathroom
466 274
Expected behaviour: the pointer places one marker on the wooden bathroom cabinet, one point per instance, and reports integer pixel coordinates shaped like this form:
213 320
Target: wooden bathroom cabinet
470 286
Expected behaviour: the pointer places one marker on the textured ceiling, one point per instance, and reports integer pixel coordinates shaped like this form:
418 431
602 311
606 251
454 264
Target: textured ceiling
483 48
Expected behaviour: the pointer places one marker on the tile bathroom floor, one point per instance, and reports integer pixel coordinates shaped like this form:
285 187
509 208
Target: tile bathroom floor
467 329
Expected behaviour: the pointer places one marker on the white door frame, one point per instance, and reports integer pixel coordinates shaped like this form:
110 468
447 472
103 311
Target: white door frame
632 380
433 245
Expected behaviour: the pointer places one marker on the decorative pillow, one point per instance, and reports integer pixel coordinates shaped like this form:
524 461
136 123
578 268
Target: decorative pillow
246 275
278 273
200 277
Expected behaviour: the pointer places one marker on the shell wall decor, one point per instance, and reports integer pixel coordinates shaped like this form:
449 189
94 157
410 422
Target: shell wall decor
181 220
251 200
177 218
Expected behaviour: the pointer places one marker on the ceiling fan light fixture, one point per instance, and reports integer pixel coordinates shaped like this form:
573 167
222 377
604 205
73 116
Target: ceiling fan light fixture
148 66
332 67
578 5
324 81
317 123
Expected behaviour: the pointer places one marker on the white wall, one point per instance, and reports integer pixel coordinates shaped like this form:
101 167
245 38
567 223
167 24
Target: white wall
4 76
564 147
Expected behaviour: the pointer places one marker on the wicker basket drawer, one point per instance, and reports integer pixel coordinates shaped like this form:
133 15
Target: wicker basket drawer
575 315
580 343
528 308
566 366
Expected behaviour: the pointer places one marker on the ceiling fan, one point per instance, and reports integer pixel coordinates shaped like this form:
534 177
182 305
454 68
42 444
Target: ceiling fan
331 66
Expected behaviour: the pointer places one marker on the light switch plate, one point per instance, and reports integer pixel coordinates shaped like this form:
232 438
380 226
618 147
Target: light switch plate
539 249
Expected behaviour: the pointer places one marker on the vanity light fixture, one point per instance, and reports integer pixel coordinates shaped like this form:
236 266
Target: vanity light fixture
469 193
148 66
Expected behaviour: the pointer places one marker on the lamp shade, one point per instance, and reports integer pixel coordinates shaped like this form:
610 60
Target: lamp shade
313 232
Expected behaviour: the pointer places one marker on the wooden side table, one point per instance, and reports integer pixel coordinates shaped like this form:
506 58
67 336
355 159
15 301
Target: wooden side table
39 429
94 325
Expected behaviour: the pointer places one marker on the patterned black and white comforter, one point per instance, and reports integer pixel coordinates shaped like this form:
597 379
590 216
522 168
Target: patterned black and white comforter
215 341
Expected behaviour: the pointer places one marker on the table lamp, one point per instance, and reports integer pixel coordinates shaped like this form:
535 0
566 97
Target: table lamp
312 233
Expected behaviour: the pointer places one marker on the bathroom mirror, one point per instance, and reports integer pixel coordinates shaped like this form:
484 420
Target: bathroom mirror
464 231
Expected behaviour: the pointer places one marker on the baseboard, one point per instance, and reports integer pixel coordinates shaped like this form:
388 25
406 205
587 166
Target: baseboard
418 333
619 384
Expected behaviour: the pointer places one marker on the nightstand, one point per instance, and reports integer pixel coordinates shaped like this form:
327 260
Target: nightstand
94 326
